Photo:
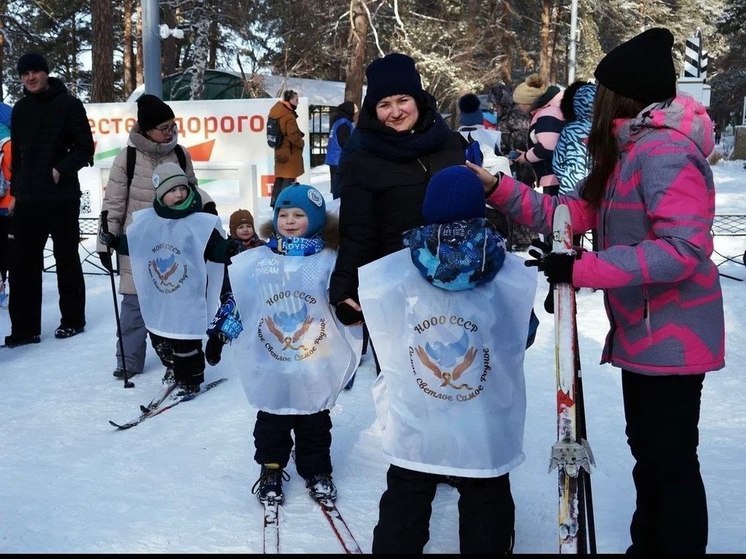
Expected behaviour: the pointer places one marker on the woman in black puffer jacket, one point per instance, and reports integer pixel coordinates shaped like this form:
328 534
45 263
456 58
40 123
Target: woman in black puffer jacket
400 141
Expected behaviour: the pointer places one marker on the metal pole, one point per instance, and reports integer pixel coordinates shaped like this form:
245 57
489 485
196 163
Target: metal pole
573 38
151 48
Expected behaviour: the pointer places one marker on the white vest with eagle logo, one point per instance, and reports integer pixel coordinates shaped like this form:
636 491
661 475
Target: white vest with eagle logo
292 356
170 272
451 394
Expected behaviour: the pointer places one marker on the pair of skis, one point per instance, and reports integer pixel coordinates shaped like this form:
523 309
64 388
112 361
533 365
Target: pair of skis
331 513
571 454
165 400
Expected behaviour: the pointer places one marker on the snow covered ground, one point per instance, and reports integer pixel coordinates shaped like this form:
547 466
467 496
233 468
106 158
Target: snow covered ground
181 482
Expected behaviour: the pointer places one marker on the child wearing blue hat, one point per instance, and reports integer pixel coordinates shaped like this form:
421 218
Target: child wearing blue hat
448 315
299 358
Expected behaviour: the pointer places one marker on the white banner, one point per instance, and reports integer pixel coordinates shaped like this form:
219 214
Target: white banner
225 138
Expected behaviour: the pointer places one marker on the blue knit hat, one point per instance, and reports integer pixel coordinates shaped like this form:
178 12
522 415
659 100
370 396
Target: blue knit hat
454 193
308 199
394 74
471 112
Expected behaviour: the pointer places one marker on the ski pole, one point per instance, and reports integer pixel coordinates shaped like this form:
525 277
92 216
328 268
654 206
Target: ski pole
105 229
587 496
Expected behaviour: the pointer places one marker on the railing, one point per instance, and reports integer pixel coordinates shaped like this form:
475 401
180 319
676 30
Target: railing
87 248
730 225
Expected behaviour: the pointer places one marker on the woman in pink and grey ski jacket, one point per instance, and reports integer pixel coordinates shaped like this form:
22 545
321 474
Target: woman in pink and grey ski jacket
651 196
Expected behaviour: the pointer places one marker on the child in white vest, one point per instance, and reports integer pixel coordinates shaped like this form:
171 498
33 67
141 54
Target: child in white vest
169 246
449 316
294 358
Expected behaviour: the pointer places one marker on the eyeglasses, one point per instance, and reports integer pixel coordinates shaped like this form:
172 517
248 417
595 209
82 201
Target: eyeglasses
166 128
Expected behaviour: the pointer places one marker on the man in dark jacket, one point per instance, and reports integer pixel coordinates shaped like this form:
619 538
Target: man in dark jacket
52 141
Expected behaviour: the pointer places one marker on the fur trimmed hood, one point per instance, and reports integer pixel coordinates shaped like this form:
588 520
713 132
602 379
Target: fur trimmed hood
330 233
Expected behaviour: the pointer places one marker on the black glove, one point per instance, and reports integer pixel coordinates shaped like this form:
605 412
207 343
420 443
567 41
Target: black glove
105 258
347 315
557 266
213 349
108 239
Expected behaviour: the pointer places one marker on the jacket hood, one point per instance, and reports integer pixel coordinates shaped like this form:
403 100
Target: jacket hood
582 102
552 96
456 256
146 145
280 109
683 114
345 110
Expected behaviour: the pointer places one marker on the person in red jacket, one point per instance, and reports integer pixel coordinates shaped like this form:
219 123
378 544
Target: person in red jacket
7 203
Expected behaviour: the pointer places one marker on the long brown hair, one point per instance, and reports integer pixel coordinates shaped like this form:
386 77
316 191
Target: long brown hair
603 151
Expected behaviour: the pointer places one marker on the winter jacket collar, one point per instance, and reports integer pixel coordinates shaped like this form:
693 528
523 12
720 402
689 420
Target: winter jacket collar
138 140
56 87
682 114
172 213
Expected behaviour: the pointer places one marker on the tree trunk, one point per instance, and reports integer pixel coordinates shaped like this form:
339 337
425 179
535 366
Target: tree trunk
544 40
168 46
139 66
356 52
102 52
128 61
507 42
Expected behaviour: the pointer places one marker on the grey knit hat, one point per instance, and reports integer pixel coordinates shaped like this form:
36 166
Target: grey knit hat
166 176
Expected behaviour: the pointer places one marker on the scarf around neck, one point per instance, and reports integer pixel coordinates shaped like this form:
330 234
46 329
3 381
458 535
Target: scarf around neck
296 246
428 136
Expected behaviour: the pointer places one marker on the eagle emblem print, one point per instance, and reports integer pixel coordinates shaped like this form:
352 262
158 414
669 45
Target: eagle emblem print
449 359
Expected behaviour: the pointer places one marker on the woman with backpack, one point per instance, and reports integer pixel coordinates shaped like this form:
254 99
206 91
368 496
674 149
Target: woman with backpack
152 141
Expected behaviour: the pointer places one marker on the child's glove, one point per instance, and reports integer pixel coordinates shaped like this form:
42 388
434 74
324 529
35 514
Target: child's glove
347 315
227 320
214 349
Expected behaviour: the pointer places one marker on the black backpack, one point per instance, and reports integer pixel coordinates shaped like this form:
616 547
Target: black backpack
132 155
274 133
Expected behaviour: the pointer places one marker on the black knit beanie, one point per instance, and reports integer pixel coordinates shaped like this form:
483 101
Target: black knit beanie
151 112
471 112
32 61
394 74
642 68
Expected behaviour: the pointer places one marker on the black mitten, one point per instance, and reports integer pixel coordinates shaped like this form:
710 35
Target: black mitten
347 315
105 258
213 350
